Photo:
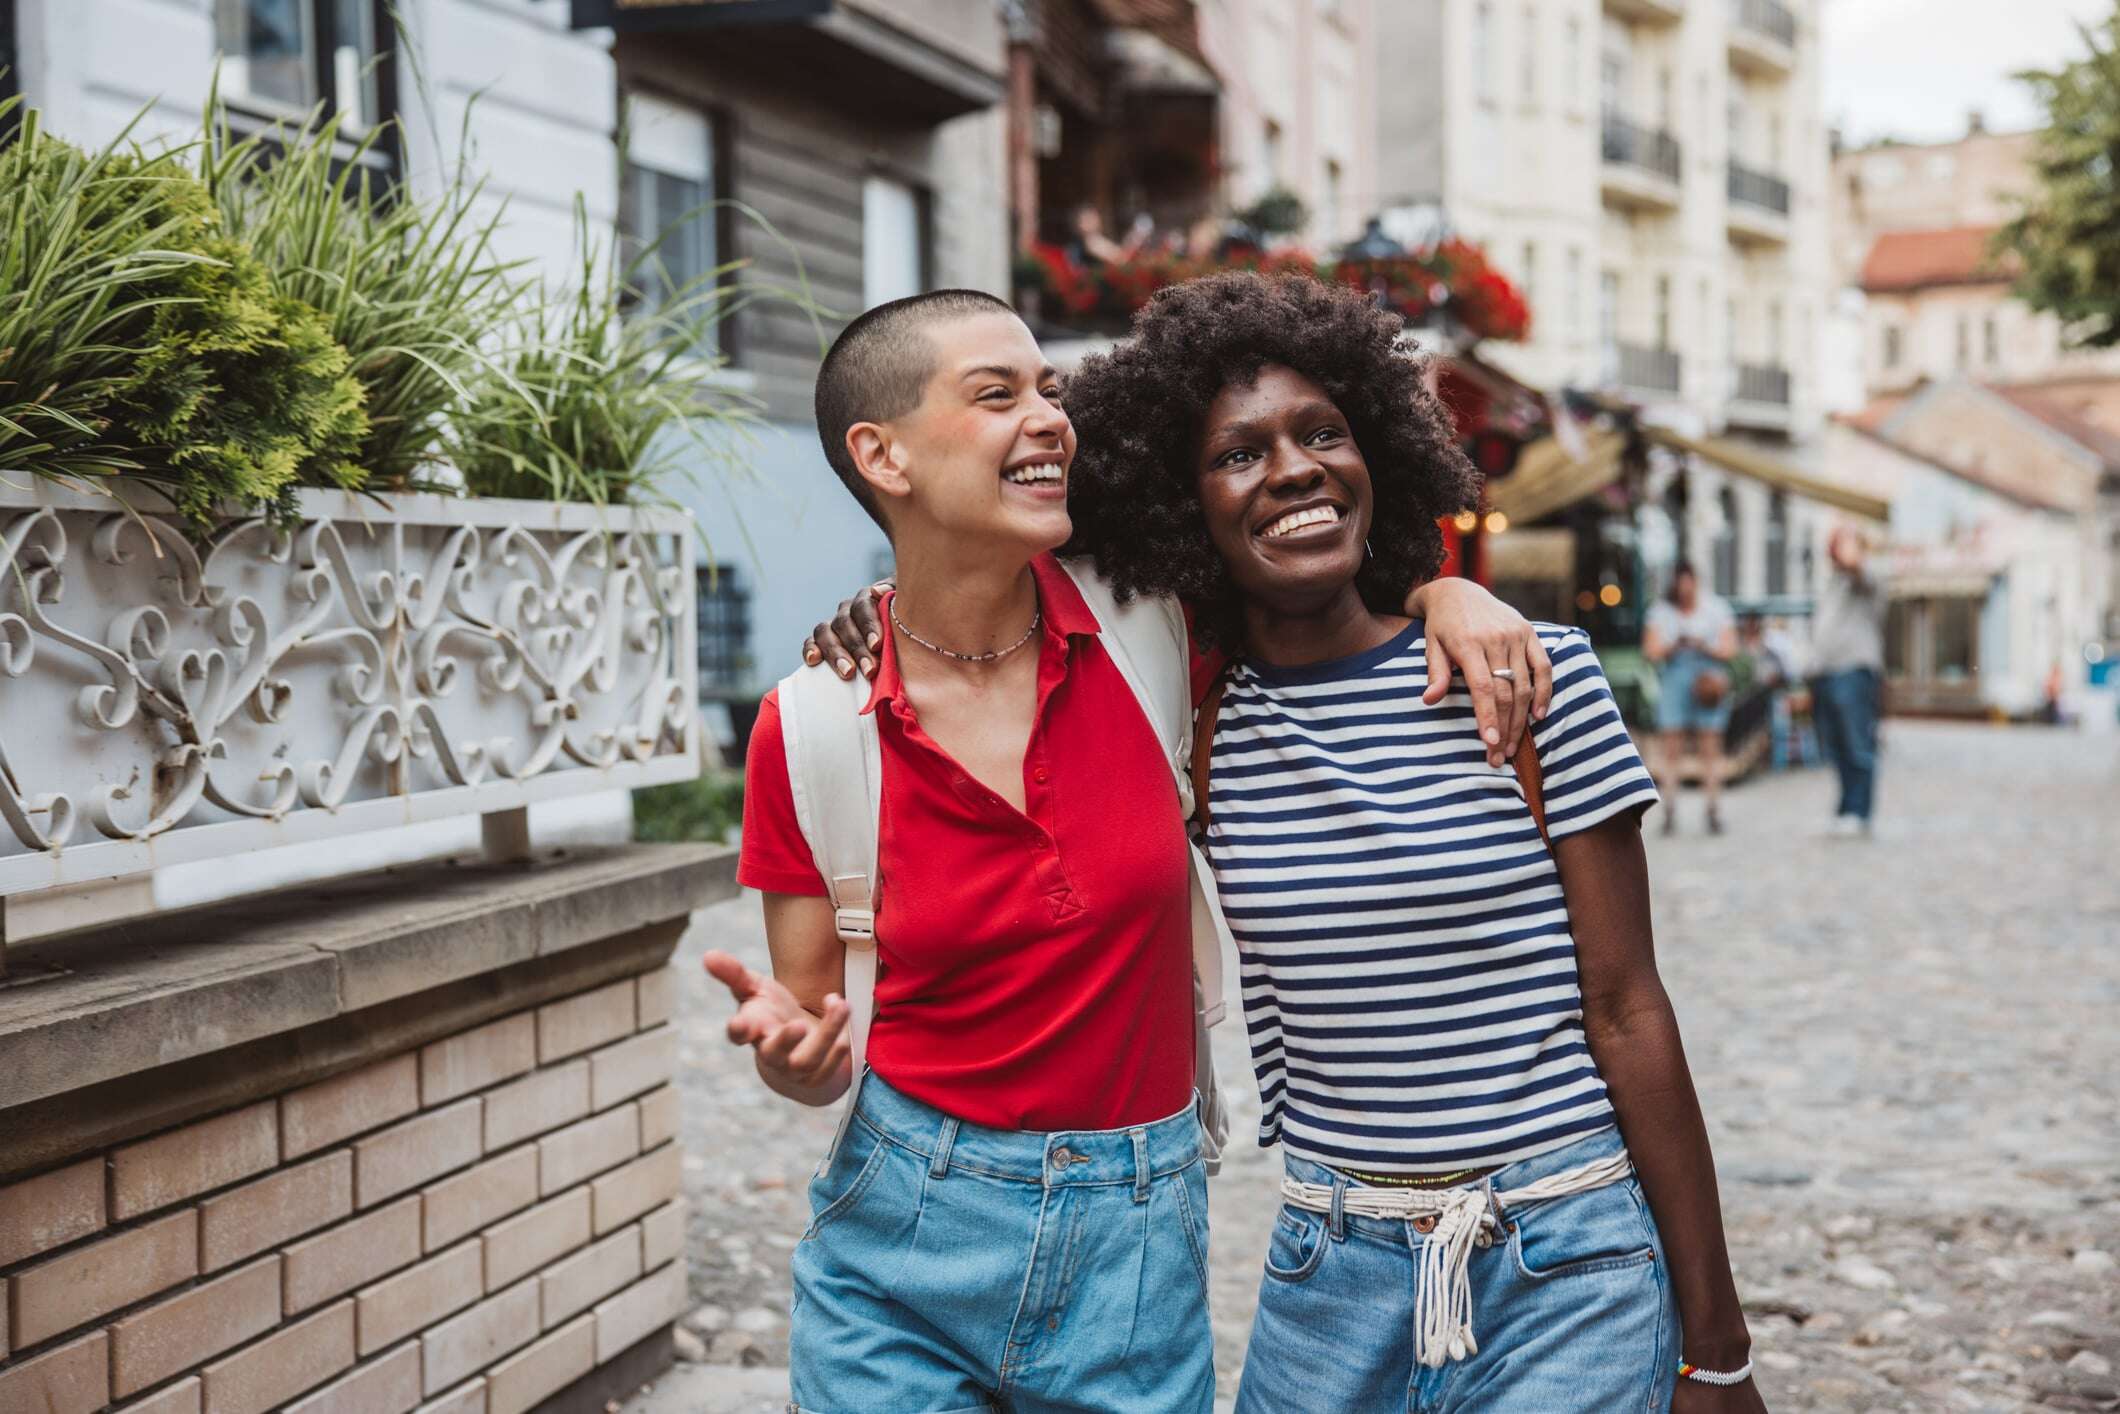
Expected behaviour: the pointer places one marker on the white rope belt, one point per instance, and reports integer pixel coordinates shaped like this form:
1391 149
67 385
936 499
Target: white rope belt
1465 1218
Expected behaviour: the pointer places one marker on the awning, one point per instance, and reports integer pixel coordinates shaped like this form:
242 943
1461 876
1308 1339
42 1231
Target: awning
1547 479
1735 456
1531 555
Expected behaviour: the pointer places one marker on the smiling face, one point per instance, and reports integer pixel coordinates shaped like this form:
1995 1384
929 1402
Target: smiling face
985 452
1284 489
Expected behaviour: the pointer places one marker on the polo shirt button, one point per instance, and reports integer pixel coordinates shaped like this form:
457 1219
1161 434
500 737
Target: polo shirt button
1039 775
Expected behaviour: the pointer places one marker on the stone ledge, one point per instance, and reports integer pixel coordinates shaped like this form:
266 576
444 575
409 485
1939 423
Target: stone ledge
148 993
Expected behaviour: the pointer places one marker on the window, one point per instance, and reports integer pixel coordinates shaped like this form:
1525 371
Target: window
284 57
1775 353
1778 544
1990 341
1774 144
1663 311
671 180
1334 217
1575 291
1483 52
1965 340
893 240
1666 105
1608 309
1725 546
1530 274
1528 77
1894 345
724 629
1572 59
1612 81
1734 114
1270 143
1730 331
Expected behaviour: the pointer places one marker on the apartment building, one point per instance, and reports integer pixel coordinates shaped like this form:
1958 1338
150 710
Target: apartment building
1653 173
1298 103
1913 233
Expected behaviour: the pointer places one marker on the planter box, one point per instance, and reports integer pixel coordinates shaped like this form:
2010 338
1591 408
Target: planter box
391 660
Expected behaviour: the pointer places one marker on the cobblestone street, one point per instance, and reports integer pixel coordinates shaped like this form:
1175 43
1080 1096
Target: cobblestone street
1907 1049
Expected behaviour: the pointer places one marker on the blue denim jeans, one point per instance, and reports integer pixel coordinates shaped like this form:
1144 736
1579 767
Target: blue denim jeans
1573 1310
1847 709
949 1267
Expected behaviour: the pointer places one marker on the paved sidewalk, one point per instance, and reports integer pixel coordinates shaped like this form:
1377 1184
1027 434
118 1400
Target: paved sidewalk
1908 1049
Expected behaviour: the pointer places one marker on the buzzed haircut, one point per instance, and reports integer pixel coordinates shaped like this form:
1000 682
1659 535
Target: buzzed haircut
878 368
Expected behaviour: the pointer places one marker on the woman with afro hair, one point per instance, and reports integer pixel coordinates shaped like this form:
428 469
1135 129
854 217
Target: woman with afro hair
1461 1041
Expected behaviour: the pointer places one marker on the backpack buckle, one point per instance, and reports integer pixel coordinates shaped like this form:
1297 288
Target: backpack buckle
857 927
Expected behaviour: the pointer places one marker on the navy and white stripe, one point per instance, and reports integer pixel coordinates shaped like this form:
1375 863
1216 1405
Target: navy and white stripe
1408 972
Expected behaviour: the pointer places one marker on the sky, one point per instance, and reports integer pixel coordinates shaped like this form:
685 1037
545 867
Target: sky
1914 69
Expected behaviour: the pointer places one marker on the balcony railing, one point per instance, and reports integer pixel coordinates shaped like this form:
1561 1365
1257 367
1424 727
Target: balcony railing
1761 189
1633 145
1768 17
1763 383
1652 370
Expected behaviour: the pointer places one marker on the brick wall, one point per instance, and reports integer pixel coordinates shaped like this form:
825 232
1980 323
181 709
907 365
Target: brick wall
467 1226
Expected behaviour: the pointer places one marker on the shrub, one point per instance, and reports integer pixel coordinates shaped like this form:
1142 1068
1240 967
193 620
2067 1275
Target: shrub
705 810
413 290
239 389
601 390
138 338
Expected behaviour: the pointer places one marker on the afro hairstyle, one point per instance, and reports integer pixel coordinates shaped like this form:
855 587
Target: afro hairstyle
1138 413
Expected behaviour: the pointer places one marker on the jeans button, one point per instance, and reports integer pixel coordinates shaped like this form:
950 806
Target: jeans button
1063 1156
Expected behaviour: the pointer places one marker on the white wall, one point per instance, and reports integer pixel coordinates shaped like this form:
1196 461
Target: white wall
541 130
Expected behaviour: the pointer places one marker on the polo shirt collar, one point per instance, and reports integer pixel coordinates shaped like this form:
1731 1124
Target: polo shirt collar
1067 615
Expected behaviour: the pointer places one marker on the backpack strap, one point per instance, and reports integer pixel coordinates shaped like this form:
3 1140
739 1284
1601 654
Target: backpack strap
1203 743
1532 778
835 772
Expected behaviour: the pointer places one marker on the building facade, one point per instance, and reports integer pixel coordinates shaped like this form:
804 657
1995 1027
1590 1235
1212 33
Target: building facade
1914 241
1299 82
1937 361
1653 174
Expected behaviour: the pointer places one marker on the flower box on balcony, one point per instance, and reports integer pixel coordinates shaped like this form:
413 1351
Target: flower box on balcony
385 660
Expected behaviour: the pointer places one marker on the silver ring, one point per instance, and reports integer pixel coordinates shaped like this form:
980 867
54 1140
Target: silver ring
1505 674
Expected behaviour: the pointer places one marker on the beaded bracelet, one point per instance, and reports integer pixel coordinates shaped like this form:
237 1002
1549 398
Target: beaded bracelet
1687 1370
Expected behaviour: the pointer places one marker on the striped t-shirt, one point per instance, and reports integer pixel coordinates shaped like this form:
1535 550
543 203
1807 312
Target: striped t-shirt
1408 972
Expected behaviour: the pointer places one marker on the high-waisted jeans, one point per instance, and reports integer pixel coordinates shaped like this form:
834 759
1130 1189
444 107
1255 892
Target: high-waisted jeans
949 1268
1572 1308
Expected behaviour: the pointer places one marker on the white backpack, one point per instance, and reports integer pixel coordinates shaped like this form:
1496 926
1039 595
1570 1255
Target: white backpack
835 767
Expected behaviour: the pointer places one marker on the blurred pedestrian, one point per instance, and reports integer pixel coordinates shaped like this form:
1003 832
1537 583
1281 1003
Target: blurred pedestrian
1847 662
1691 638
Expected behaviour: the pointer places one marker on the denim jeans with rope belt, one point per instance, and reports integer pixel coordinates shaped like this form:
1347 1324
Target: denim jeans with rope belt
950 1267
1573 1305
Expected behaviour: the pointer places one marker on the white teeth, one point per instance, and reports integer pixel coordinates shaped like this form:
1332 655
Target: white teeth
1027 475
1298 520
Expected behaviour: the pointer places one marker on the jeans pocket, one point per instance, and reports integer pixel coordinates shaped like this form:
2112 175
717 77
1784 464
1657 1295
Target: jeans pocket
1606 1229
846 1178
1298 1245
1191 1190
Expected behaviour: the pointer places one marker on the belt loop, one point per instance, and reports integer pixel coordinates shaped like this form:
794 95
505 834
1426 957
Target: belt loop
1141 1169
1494 1201
1336 1219
944 1141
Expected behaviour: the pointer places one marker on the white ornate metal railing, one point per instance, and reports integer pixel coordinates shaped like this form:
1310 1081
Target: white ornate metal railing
385 661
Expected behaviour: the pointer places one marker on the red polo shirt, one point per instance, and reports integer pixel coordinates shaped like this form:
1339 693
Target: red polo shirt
1035 967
